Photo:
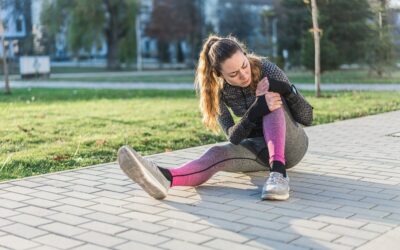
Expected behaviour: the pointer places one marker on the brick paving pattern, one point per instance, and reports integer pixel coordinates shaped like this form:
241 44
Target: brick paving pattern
345 195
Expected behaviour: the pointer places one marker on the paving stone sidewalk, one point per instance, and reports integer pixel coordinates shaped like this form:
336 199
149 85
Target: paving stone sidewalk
345 195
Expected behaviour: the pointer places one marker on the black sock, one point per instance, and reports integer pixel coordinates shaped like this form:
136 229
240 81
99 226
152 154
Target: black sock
279 167
166 173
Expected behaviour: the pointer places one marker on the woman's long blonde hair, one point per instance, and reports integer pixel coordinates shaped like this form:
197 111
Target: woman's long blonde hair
208 79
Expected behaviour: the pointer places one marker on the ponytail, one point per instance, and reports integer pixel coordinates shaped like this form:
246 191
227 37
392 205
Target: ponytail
208 85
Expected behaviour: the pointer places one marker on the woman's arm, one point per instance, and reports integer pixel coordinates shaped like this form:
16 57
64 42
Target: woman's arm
239 131
301 110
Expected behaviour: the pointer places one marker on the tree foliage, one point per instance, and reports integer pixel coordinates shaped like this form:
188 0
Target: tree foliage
236 19
380 55
344 27
173 21
89 22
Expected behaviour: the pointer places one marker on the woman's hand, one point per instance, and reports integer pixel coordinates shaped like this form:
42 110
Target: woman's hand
262 87
274 100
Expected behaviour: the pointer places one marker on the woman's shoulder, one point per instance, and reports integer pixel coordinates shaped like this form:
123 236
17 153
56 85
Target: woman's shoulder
270 69
267 65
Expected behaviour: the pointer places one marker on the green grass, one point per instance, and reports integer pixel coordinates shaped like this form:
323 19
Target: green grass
47 130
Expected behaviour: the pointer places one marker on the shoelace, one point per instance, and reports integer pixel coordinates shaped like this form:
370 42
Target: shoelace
275 178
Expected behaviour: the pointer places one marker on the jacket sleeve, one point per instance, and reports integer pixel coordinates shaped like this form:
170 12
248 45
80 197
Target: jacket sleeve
301 110
237 132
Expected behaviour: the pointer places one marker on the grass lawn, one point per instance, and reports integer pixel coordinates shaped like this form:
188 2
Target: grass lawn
46 130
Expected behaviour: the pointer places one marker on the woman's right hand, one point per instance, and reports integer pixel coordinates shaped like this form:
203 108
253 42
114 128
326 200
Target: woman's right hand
274 100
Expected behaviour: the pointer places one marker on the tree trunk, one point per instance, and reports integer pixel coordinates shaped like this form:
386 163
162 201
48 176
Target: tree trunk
179 52
139 61
112 37
7 88
314 13
112 51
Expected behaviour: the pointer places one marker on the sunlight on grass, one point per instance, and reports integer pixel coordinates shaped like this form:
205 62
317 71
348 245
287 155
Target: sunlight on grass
44 130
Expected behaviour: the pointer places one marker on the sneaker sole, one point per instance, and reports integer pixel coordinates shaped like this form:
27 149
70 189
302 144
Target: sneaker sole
133 168
277 197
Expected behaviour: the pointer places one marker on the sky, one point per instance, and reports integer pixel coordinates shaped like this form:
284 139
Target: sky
395 3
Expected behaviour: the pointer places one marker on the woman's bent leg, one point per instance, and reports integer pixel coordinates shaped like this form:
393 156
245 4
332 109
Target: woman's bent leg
274 128
296 143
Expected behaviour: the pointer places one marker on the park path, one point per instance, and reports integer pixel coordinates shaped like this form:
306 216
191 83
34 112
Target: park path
345 195
189 86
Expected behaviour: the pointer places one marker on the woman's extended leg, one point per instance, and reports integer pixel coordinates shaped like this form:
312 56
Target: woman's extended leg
250 155
156 180
215 159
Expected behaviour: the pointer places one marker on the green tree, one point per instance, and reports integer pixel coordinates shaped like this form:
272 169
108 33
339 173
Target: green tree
89 22
329 53
293 25
380 55
174 21
347 27
344 27
236 20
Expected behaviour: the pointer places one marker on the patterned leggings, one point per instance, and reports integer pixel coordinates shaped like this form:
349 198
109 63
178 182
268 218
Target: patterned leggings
284 140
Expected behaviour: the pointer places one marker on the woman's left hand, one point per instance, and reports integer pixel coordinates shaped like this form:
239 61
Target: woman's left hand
273 100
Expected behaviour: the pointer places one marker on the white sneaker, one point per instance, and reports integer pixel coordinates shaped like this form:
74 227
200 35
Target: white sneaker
276 187
143 172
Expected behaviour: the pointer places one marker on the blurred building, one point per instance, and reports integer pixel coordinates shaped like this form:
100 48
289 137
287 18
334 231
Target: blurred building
256 27
17 26
261 36
20 28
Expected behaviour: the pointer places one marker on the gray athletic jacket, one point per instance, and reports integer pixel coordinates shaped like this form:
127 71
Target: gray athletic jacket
244 103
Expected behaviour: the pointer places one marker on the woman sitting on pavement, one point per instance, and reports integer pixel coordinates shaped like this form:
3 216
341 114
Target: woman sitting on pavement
267 137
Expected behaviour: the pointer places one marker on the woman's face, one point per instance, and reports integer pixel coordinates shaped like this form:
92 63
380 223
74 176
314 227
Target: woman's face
236 70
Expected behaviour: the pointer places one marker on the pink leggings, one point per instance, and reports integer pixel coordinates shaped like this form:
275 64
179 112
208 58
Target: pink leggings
200 170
